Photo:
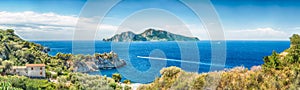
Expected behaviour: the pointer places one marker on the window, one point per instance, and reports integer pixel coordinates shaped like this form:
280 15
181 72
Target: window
31 68
41 73
15 70
41 68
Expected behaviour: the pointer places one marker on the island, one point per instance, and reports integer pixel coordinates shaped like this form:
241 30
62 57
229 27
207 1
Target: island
149 35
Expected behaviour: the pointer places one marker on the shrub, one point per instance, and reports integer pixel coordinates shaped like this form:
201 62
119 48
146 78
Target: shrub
117 77
199 82
272 61
295 39
126 81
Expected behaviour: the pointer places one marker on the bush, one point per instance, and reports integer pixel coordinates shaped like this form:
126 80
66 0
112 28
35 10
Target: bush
170 72
22 82
126 81
117 77
199 82
7 86
272 61
127 88
54 75
295 39
113 85
11 31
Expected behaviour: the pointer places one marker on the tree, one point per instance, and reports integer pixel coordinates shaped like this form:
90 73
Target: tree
117 77
272 61
11 31
295 39
7 66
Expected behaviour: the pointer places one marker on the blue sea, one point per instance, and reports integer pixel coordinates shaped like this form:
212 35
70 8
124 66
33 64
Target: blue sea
145 59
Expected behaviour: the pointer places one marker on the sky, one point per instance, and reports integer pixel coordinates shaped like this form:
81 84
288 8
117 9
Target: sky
58 19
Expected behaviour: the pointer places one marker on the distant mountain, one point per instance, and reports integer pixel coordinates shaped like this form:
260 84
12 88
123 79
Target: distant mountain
149 35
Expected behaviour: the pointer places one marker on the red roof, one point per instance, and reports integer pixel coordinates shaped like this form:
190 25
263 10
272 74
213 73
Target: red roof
35 65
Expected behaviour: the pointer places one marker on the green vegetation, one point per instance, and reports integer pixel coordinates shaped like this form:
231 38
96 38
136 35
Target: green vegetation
60 69
22 82
117 77
74 81
126 81
279 71
294 39
7 86
7 66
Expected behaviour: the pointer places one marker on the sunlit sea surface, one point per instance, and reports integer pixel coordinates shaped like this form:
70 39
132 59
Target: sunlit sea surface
138 55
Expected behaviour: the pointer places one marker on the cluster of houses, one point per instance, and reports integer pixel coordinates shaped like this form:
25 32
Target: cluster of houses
30 70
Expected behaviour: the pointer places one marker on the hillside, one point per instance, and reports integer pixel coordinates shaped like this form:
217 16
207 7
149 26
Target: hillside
19 51
150 35
279 72
62 69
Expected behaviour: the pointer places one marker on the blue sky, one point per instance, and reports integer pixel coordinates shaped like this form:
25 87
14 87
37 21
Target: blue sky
241 19
65 7
255 13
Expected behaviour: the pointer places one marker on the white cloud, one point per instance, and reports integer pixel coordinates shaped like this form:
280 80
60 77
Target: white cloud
50 26
296 28
29 17
47 26
257 34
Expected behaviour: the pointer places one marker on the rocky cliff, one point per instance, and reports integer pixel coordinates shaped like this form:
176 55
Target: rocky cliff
96 62
150 35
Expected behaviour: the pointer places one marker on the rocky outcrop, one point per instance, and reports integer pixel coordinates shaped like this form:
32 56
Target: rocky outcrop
99 61
85 67
149 35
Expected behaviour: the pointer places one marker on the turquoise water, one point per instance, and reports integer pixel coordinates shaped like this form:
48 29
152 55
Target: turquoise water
139 55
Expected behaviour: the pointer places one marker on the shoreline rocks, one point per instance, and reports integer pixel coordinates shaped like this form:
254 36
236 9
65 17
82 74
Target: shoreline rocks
99 62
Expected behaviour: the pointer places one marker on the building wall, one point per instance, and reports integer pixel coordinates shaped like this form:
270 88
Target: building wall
19 71
36 71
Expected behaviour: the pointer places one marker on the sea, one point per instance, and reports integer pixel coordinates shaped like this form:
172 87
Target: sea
145 59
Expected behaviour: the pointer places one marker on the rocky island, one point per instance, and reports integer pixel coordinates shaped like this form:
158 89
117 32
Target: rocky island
149 35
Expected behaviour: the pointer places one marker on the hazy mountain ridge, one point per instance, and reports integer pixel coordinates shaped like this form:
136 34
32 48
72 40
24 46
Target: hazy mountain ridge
149 35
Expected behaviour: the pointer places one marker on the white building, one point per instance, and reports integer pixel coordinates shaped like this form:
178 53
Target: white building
36 70
30 70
